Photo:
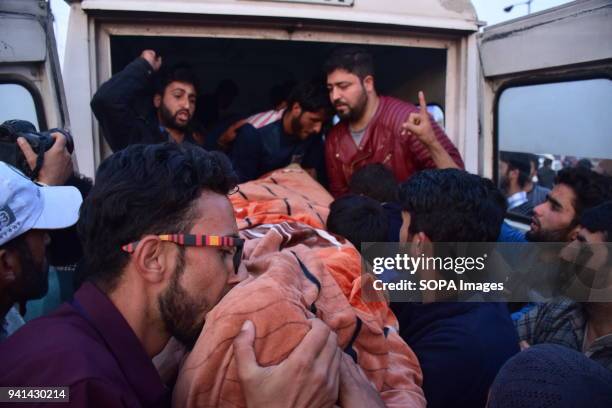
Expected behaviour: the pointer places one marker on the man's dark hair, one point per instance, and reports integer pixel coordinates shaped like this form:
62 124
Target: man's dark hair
520 162
355 60
144 189
358 219
547 162
599 219
590 188
375 181
452 205
176 73
312 97
280 92
586 163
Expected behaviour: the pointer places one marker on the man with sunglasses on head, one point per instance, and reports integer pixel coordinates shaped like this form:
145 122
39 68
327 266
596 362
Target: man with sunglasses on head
161 250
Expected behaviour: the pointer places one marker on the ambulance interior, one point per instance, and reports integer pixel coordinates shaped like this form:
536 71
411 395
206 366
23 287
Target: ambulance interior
257 65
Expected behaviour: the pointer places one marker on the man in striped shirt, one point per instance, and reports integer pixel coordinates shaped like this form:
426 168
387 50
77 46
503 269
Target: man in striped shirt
371 130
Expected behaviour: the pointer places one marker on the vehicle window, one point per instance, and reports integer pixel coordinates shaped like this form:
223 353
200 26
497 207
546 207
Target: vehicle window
16 102
563 123
437 113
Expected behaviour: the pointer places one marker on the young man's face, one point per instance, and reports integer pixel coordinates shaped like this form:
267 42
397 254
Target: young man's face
177 105
305 124
203 275
553 220
348 94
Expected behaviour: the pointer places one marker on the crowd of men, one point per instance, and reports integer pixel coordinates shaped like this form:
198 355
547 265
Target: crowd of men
160 247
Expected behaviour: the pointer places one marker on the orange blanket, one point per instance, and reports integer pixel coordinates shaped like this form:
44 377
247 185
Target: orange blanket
296 271
289 194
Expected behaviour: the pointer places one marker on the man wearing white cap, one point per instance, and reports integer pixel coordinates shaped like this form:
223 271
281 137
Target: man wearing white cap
27 211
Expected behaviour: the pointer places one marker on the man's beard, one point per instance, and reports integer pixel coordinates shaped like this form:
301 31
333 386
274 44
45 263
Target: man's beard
169 120
504 183
178 309
296 127
557 235
356 112
35 275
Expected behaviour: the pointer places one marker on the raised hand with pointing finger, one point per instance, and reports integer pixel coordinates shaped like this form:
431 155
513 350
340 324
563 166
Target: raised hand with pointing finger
419 125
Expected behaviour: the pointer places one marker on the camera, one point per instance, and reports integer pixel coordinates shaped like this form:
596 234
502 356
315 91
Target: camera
39 141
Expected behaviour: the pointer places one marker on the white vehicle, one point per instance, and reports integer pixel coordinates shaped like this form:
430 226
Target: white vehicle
539 84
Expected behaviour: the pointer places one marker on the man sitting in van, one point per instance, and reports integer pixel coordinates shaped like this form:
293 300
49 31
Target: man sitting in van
371 129
123 108
294 138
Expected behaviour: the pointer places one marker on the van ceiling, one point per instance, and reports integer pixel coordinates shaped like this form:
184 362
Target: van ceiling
258 65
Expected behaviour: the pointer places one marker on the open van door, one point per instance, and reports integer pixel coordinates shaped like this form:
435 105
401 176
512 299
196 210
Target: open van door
427 45
30 79
548 87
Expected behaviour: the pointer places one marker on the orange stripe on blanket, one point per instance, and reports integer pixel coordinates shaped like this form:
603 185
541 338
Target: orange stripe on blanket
293 187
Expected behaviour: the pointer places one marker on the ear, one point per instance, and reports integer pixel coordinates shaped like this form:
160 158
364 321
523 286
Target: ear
573 234
422 243
420 238
513 174
296 109
152 260
368 83
9 267
157 99
403 234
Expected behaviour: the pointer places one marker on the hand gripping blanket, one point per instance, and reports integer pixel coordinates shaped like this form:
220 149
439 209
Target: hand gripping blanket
297 271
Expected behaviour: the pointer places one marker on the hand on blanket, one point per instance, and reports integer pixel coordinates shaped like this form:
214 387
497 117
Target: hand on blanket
355 389
308 377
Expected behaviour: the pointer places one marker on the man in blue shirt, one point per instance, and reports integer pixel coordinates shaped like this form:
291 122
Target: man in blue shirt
460 346
295 138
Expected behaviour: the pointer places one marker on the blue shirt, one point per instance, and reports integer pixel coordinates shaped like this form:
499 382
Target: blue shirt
256 152
510 234
460 346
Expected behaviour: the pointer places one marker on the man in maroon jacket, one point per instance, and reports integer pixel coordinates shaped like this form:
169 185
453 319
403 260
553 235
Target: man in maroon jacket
377 129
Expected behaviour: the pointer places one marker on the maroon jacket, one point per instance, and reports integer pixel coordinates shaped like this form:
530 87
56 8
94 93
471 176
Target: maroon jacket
87 346
381 143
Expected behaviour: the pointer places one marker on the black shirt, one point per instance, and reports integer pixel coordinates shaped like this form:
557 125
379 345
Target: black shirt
123 106
256 152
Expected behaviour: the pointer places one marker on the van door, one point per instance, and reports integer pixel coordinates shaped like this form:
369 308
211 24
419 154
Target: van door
547 87
30 78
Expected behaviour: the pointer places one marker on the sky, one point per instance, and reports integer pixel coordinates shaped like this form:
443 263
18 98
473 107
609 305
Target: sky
490 11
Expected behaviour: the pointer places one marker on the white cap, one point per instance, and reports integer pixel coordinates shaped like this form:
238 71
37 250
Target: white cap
25 205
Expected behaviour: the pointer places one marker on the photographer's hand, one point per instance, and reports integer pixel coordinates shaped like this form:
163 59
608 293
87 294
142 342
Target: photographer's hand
57 164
